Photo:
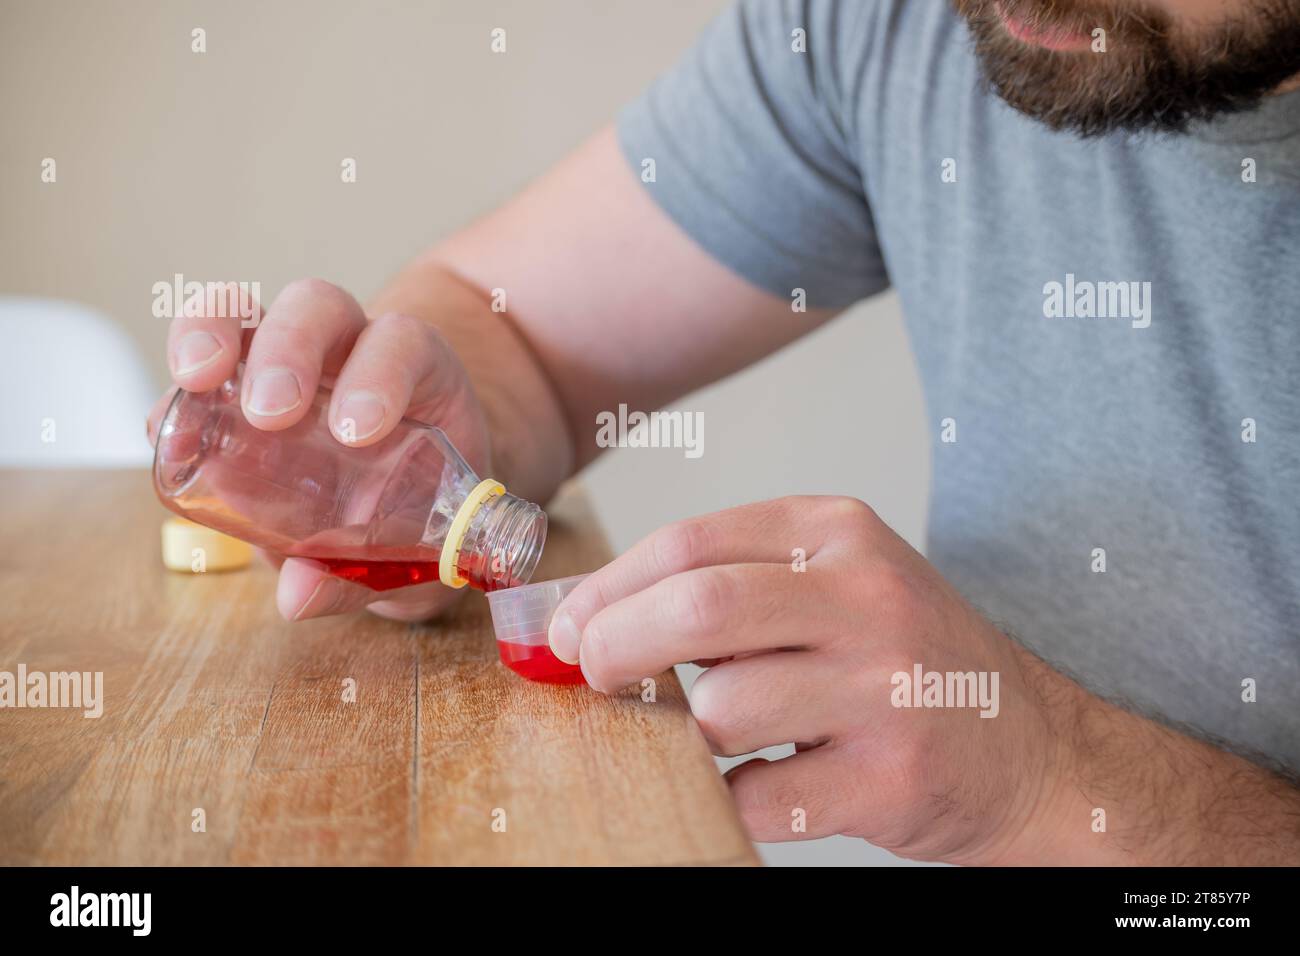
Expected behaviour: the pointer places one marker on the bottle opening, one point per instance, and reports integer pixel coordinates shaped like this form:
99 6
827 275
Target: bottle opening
503 543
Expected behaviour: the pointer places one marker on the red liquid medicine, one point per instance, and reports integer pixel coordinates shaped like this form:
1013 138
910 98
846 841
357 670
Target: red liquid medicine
527 654
521 617
383 569
382 575
535 661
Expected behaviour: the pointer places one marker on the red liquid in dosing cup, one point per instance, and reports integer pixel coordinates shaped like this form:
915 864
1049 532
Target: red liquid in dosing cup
520 617
536 662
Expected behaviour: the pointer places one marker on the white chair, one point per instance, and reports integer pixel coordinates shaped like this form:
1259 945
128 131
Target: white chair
74 391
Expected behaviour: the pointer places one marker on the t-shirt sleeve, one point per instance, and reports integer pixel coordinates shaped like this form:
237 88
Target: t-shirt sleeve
751 146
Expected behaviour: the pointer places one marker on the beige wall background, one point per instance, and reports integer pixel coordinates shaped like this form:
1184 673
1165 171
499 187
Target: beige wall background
225 165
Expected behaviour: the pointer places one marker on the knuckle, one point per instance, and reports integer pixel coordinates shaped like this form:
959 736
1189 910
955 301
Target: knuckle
701 602
769 804
712 712
293 335
401 325
313 291
309 304
913 759
290 347
756 814
849 512
681 546
215 302
595 652
731 715
751 798
890 587
900 782
888 676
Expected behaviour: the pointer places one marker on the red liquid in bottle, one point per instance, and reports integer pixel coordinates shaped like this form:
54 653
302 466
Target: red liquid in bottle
384 569
536 662
382 575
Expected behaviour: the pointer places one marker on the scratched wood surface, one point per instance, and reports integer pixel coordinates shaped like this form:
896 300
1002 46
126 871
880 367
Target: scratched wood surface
212 702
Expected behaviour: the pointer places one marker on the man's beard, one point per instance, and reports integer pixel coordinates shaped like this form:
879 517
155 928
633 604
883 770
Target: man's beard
1151 77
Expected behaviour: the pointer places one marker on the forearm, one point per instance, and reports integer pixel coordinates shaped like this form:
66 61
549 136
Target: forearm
607 302
531 443
1167 798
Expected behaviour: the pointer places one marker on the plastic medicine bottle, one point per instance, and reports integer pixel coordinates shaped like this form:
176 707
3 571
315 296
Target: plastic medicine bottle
402 511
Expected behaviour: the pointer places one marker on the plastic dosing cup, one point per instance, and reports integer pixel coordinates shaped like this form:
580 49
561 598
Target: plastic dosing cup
520 617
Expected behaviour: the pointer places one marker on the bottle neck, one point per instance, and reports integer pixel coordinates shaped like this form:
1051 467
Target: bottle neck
502 544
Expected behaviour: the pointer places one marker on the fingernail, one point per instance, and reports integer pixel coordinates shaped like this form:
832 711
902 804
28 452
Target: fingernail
195 351
324 593
360 415
565 638
274 392
321 601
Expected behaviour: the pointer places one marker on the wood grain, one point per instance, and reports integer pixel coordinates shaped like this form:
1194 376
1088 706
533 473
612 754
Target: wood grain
212 702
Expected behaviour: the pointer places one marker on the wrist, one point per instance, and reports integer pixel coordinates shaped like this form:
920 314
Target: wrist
1058 824
527 459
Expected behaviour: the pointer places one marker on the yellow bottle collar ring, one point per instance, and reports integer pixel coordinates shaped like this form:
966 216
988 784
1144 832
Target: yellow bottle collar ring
450 557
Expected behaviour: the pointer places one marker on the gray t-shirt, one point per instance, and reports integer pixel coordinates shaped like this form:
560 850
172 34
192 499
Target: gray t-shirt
1109 329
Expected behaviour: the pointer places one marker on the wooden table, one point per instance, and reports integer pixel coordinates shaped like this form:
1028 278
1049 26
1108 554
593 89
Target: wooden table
213 703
